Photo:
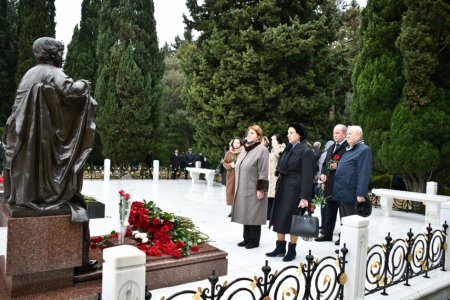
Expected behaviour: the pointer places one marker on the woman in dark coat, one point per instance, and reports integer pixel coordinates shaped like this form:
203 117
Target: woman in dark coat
294 188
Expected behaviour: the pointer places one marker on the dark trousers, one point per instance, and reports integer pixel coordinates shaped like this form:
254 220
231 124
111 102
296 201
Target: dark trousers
252 233
346 209
269 207
331 210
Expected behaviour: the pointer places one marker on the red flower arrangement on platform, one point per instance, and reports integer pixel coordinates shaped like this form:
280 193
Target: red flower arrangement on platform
158 232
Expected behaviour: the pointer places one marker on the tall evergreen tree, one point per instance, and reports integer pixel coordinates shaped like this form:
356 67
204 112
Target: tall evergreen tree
8 57
36 19
128 86
377 79
346 50
417 146
266 62
174 127
81 60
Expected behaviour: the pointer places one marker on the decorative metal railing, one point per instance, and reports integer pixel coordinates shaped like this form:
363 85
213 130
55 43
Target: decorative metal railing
398 261
140 172
313 279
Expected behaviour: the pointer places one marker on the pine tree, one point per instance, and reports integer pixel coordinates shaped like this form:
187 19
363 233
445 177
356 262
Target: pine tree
128 86
8 59
36 19
377 78
417 146
265 62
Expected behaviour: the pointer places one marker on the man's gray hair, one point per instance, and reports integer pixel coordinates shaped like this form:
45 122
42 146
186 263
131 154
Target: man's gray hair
356 129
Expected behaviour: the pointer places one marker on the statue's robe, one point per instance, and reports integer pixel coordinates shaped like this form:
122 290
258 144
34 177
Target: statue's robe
48 137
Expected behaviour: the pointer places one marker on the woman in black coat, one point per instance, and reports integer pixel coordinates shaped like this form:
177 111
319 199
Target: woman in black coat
294 188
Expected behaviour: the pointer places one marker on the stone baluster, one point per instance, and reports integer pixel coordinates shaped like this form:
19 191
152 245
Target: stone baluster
107 169
123 273
355 234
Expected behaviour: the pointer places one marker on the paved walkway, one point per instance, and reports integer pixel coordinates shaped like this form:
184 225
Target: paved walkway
205 206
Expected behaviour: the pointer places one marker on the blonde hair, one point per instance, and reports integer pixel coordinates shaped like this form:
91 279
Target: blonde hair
258 131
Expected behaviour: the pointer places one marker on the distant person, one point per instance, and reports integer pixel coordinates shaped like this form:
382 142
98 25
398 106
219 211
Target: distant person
2 156
250 201
265 141
277 148
175 163
190 158
148 160
353 173
229 163
294 189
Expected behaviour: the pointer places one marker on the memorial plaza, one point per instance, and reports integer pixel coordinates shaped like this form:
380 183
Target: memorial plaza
205 205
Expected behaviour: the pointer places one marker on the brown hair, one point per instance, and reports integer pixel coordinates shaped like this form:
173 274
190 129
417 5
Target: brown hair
258 131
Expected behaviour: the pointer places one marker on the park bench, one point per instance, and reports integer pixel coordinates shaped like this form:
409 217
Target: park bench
195 174
431 201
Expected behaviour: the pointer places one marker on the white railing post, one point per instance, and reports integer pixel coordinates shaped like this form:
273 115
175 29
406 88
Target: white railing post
355 234
432 187
198 164
156 169
445 216
107 169
123 273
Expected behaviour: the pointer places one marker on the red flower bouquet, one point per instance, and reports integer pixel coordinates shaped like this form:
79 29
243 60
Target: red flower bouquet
335 159
156 232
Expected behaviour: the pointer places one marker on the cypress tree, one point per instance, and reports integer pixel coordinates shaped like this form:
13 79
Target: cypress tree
8 57
36 19
81 61
377 79
265 62
128 86
418 143
174 127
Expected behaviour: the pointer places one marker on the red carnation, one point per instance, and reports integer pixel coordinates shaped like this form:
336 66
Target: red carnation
122 192
127 196
155 221
195 248
336 157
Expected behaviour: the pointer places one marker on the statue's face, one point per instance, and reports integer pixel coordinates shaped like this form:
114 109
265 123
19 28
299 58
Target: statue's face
58 59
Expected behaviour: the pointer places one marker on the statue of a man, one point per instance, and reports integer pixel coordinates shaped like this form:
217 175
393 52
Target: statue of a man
48 137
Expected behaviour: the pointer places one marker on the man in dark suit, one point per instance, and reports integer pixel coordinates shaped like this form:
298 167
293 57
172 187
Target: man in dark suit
334 154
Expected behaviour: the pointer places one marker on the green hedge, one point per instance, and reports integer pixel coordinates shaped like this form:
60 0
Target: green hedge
380 181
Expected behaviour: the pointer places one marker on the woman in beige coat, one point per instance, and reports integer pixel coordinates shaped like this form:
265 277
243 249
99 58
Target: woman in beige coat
229 161
277 148
250 200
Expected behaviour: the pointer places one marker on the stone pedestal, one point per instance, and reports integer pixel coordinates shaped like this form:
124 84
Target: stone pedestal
41 252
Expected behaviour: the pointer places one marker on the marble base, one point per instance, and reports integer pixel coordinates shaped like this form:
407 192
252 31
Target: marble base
164 272
167 271
41 252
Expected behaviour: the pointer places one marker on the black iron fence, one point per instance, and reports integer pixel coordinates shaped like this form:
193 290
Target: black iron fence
313 279
397 261
138 172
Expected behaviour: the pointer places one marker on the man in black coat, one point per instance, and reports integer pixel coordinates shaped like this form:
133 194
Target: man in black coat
175 162
329 167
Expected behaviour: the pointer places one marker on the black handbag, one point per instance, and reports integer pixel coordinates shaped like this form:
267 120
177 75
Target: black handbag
364 209
306 225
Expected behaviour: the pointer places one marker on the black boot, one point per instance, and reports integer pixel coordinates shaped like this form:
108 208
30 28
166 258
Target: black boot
280 249
291 253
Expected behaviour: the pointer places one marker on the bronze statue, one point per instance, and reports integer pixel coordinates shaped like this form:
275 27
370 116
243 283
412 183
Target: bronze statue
48 137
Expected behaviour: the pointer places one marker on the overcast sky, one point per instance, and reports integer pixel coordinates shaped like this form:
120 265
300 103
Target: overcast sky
168 16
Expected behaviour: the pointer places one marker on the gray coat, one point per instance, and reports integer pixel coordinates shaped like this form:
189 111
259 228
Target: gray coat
252 171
